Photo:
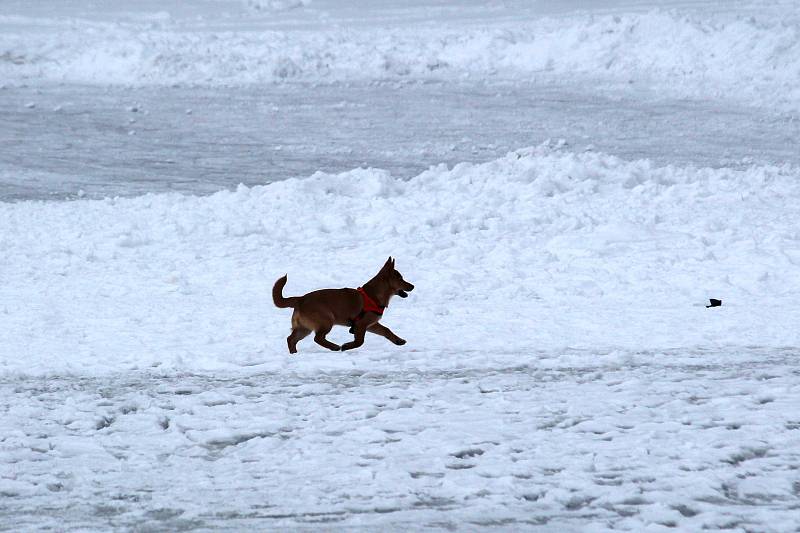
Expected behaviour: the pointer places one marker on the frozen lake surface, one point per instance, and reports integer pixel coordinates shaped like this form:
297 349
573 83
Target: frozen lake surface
56 140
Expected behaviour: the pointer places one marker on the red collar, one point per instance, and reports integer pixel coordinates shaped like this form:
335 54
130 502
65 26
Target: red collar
370 306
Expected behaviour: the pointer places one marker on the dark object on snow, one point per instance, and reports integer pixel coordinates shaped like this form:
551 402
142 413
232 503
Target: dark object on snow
714 303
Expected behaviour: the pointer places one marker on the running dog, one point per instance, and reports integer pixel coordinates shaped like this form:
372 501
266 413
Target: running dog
360 309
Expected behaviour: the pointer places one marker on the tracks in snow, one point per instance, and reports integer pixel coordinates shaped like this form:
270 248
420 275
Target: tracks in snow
672 442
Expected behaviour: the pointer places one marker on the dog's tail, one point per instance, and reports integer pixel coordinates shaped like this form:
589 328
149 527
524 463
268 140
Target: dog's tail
277 295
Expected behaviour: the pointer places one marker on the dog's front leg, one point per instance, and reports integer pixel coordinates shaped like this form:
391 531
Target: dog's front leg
383 331
359 330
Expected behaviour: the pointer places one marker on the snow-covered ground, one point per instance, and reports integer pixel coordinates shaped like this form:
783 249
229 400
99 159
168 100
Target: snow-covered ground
542 249
562 372
561 367
693 440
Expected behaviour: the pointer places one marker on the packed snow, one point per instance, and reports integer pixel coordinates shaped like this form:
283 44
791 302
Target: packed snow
562 371
648 441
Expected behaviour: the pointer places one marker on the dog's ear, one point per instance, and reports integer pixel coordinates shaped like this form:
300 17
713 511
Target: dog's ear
388 265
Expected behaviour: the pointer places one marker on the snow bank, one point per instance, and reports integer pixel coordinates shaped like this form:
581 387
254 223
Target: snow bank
276 5
690 55
541 257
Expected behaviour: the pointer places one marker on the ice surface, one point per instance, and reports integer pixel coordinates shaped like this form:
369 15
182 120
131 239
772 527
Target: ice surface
122 141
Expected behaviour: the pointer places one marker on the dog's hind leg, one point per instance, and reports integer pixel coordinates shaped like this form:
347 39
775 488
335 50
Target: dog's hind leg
319 338
383 331
299 333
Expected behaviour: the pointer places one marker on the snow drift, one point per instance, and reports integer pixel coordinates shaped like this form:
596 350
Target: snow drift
542 252
690 55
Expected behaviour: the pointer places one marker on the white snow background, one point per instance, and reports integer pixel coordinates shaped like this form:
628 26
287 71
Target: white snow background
751 53
562 372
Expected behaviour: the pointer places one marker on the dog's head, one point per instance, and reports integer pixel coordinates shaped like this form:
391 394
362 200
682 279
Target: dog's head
394 280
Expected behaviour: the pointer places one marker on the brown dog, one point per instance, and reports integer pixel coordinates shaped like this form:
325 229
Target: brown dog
361 309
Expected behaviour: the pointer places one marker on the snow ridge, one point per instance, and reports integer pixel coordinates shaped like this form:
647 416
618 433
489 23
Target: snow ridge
597 251
685 54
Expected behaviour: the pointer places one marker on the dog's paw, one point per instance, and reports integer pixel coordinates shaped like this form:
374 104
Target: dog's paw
400 341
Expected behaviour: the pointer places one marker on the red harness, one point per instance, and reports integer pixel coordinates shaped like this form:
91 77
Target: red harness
370 306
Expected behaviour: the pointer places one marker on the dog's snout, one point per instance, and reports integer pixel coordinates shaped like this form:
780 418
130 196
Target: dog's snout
409 287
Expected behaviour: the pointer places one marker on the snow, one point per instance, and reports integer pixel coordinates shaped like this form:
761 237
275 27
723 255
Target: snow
561 367
545 248
562 371
754 56
590 446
